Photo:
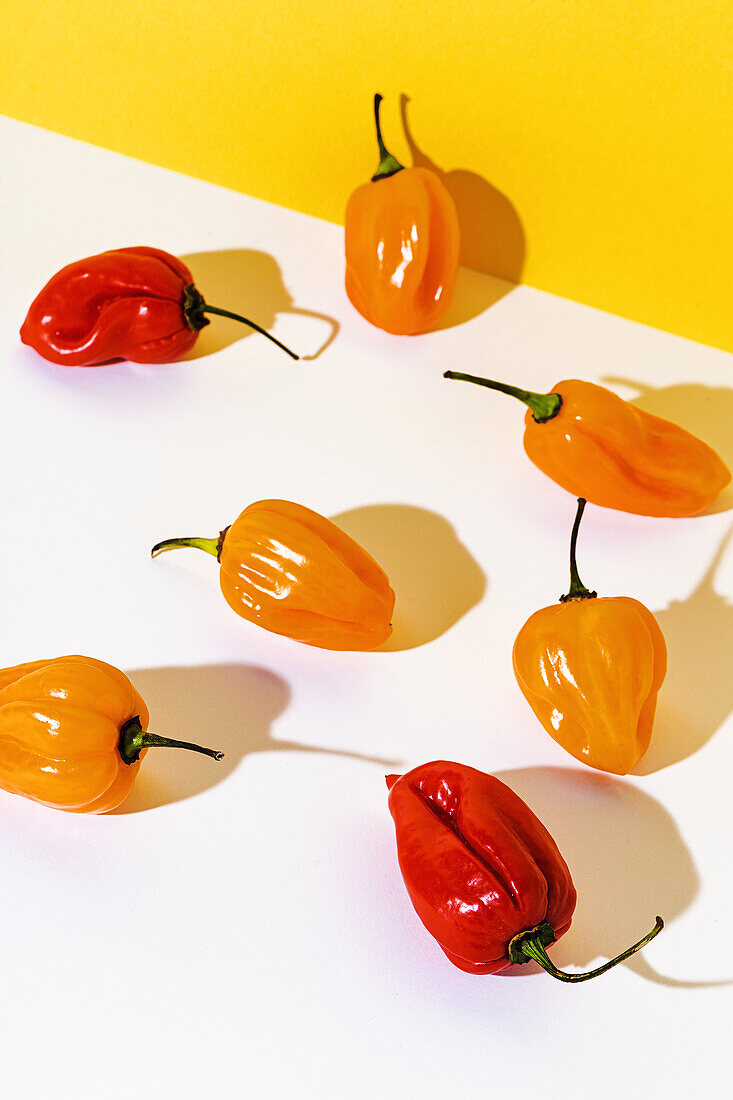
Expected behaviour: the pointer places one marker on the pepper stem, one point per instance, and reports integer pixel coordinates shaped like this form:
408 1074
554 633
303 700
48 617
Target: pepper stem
530 944
211 546
194 308
544 406
388 165
577 590
133 739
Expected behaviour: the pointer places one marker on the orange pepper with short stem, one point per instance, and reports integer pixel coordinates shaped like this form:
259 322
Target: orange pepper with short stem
73 732
296 573
402 242
598 446
591 669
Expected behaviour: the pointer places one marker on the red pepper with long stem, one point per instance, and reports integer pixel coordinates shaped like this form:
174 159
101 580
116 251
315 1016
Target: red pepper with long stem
484 875
136 303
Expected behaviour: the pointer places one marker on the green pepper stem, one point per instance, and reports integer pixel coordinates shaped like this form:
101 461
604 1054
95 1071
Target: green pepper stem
246 321
532 947
133 739
194 308
577 590
211 546
388 165
544 406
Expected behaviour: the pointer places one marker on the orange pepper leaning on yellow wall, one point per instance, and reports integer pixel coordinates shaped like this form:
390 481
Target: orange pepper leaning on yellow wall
402 242
73 732
591 669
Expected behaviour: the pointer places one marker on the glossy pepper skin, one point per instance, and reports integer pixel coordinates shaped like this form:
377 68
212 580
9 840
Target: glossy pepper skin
136 303
600 447
483 874
402 243
295 573
591 669
73 732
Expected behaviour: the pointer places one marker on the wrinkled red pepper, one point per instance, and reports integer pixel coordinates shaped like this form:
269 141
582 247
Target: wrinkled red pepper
483 873
131 303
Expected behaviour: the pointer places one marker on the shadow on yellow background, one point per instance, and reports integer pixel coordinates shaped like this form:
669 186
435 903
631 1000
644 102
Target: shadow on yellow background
492 237
246 281
228 707
435 579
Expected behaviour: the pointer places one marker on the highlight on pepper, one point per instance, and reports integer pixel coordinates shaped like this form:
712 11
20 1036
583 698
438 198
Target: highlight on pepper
483 874
402 243
600 447
295 573
135 303
73 733
591 668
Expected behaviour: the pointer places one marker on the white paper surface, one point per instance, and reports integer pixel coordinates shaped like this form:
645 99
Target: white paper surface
242 929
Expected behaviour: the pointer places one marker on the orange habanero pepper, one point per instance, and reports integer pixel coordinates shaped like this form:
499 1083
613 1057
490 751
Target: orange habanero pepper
72 734
295 573
402 242
598 446
591 669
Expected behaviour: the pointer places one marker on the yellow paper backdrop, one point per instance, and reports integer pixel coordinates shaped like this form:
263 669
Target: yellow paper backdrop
589 143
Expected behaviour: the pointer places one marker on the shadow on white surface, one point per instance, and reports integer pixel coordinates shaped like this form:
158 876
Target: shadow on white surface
627 858
227 707
435 579
248 282
474 294
706 411
697 695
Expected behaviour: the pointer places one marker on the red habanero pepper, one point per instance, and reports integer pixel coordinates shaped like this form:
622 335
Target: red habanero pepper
483 873
136 303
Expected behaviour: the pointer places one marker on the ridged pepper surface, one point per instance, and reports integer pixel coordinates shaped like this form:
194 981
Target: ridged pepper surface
600 447
402 242
591 668
483 874
135 303
73 732
294 572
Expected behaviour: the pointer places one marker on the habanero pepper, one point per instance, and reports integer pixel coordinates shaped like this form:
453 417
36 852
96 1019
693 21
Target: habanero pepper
402 242
73 732
600 447
295 573
591 669
136 303
483 874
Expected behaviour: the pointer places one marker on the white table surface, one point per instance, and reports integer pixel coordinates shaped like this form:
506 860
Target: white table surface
242 929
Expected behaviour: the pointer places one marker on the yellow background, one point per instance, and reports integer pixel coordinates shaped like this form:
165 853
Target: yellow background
588 142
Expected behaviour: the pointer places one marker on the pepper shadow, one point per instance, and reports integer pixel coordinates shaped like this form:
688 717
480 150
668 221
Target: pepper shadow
627 859
697 695
229 707
248 282
492 236
706 411
435 578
